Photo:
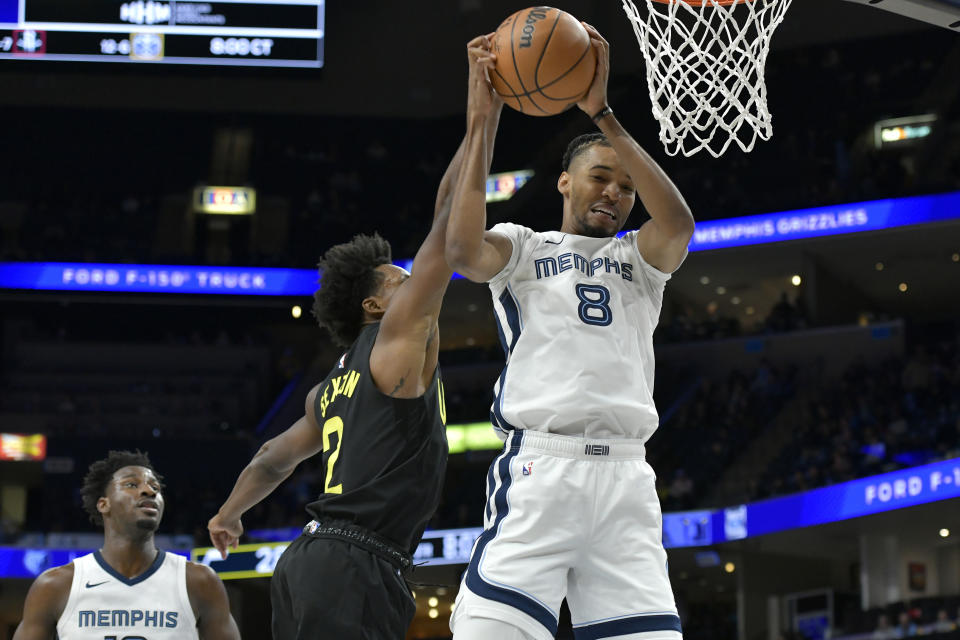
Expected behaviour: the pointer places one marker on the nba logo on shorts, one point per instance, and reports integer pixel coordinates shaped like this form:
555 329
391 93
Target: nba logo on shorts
528 469
343 359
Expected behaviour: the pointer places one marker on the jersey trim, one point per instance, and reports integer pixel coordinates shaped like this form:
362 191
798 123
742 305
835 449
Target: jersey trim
186 606
511 312
75 587
157 563
626 626
475 580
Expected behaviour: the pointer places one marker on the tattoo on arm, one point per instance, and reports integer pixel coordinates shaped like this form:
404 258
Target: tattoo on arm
399 386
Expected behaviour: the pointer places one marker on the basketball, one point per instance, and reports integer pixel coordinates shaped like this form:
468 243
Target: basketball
545 61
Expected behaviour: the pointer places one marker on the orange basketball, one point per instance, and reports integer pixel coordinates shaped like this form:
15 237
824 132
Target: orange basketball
545 61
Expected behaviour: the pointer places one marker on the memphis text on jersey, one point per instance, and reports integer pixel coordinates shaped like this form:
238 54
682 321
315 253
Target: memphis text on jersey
128 618
343 385
547 267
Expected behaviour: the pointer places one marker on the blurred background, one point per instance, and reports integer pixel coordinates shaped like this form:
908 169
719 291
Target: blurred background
165 194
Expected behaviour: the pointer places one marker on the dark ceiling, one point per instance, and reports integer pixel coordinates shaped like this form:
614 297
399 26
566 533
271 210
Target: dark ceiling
386 59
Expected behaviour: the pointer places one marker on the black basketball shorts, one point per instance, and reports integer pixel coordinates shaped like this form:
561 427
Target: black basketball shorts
331 589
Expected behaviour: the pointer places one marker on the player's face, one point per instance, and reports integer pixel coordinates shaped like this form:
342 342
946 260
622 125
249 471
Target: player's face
393 278
134 497
598 194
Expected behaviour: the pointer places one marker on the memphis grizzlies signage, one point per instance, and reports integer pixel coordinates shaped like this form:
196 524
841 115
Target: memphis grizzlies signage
825 221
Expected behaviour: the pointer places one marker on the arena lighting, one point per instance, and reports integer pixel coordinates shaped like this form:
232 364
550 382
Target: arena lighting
729 567
433 613
903 287
296 311
433 602
502 186
236 201
901 130
475 436
19 447
944 533
796 280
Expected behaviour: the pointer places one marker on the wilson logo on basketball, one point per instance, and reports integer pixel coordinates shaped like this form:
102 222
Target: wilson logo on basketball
537 14
545 61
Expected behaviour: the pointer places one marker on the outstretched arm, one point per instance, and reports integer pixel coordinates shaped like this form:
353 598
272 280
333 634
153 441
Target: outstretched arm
405 355
663 239
272 464
44 604
210 603
471 250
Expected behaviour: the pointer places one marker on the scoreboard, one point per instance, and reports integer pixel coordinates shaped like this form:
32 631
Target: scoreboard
266 33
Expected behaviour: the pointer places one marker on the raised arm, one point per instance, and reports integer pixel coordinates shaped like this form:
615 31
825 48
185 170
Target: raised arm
473 251
210 603
405 355
272 464
663 239
44 604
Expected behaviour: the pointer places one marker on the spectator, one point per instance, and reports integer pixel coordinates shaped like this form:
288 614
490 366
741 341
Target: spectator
943 623
883 631
906 627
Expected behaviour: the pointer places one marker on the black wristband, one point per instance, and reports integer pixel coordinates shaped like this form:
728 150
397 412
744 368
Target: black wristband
606 111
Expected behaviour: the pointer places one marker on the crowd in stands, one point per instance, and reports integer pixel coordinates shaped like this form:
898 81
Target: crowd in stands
935 617
898 413
686 326
874 418
343 175
708 426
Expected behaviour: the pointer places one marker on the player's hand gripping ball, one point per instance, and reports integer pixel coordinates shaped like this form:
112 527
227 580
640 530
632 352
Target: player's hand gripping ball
545 61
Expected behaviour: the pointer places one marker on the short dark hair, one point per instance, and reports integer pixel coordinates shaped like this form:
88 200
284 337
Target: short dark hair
580 144
348 275
101 473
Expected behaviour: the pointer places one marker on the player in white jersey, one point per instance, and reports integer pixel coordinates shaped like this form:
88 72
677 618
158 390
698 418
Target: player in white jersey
571 507
129 588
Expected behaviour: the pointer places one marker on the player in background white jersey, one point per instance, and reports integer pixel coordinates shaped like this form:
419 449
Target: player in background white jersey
571 509
128 588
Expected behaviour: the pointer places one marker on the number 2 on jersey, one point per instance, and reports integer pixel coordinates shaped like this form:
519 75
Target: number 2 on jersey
594 304
333 425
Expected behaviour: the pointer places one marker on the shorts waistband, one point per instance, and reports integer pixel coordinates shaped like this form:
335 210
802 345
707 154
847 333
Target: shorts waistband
597 449
361 537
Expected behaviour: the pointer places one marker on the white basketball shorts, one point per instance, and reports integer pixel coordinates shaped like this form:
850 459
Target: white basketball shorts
576 518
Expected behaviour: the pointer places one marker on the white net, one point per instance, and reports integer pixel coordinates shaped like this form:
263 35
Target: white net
705 63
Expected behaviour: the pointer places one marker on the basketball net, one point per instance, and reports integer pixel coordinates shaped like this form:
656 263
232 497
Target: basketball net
705 61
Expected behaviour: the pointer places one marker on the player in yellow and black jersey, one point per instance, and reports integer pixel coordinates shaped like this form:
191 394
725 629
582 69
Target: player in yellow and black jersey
378 421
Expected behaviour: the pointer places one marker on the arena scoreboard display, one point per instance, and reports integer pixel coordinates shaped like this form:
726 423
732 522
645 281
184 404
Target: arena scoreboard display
267 33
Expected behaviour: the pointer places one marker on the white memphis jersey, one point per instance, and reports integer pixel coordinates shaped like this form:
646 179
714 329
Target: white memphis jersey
576 317
103 603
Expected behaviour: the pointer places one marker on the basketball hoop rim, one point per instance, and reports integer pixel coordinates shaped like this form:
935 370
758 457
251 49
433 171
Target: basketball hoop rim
694 3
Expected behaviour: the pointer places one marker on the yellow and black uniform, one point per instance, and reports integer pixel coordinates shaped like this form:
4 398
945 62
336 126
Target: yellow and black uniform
383 464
